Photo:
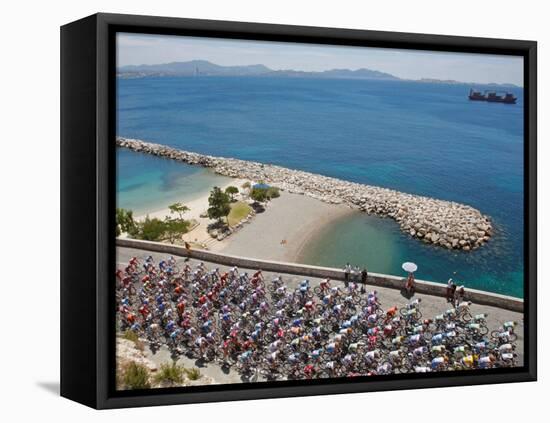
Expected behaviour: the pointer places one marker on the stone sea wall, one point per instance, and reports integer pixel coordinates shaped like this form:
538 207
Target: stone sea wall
374 279
446 224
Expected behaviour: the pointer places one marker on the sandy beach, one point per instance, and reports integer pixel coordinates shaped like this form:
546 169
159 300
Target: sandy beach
279 233
293 218
197 207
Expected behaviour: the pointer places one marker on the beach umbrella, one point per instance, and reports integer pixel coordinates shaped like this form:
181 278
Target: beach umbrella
409 267
261 186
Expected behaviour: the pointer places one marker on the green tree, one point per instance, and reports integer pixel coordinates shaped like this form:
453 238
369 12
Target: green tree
273 192
246 185
219 203
152 229
125 221
175 228
259 194
179 209
231 190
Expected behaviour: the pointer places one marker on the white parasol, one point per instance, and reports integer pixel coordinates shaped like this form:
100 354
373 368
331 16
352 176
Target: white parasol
409 267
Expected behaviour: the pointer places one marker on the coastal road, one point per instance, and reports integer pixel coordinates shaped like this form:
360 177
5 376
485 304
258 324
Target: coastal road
430 307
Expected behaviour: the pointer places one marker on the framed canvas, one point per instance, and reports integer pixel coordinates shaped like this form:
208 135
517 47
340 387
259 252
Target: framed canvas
258 211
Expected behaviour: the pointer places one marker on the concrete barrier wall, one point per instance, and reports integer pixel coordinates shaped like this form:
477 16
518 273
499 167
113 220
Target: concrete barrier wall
376 279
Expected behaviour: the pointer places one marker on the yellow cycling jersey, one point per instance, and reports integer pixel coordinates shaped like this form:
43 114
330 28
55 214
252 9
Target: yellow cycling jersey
469 360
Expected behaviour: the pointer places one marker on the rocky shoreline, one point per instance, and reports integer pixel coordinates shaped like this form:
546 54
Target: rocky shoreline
441 223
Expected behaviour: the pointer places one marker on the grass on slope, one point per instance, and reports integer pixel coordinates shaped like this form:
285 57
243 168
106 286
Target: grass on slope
239 211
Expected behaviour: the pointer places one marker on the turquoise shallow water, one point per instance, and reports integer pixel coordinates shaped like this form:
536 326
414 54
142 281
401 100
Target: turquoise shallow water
146 183
379 244
421 138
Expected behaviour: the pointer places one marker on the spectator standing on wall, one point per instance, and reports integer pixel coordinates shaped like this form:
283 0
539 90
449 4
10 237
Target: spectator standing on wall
409 285
364 275
459 295
356 274
347 271
451 288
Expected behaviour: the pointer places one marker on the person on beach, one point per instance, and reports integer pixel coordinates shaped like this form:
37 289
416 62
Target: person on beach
409 285
451 289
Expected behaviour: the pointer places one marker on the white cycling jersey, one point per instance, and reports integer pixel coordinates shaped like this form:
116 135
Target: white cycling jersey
504 348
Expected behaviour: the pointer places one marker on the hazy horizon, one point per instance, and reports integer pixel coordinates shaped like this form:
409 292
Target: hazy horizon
145 49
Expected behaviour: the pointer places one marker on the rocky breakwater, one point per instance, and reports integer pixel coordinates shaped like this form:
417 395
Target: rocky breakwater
446 224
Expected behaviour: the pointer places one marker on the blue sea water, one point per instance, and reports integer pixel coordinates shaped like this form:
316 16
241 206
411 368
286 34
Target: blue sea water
422 138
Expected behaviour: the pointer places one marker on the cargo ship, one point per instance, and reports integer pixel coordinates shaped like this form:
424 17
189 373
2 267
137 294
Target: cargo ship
492 96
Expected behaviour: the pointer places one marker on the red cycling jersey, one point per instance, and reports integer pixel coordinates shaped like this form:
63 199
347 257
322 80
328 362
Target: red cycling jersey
391 311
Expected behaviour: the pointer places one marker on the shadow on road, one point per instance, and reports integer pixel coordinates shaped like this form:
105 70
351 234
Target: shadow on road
406 294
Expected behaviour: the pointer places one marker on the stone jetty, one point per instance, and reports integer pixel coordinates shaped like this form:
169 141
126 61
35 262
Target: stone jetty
441 223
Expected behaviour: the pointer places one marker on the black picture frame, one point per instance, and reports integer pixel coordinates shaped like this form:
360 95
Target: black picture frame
88 198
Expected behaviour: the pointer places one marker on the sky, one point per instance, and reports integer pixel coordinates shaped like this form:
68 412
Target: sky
138 49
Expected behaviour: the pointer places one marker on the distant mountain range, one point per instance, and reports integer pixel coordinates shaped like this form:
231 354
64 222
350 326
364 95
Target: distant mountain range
206 68
192 68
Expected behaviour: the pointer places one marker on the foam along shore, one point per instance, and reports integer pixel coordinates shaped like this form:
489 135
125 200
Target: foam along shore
442 223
